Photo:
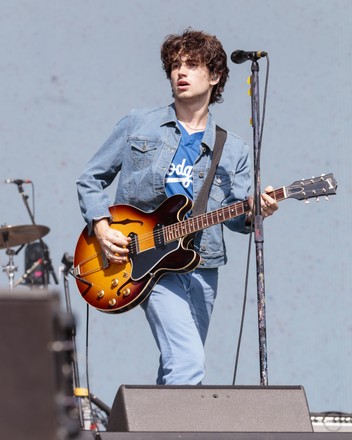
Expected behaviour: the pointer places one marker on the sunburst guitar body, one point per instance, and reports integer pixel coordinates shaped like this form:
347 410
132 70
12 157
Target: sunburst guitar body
116 288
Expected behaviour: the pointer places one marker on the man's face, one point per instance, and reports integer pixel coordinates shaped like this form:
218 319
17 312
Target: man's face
191 81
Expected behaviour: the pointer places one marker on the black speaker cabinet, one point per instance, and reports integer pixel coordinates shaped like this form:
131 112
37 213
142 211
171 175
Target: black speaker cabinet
210 409
35 375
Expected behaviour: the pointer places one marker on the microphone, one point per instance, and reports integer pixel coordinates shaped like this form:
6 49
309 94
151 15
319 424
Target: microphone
28 272
240 56
17 181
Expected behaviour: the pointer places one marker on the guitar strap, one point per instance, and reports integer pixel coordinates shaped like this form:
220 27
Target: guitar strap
200 205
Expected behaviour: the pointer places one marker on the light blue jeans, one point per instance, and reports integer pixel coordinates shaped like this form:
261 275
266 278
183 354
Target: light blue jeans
178 311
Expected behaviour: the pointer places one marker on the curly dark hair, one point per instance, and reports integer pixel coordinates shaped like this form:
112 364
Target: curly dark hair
201 48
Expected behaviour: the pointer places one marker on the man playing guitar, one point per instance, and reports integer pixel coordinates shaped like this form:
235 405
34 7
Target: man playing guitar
158 153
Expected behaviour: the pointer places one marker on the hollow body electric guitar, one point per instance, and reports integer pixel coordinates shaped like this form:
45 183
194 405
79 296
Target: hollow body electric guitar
161 242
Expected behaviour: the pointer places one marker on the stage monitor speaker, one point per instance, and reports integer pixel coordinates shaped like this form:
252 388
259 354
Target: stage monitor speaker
210 409
35 367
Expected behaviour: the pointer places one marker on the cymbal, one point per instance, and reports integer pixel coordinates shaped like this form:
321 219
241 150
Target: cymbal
11 236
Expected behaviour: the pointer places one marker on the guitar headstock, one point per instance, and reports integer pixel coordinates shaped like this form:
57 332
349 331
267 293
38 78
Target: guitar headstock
324 185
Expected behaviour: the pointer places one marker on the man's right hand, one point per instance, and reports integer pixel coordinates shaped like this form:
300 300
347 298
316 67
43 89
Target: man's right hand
112 242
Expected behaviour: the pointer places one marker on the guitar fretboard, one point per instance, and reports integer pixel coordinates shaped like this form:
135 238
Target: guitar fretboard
203 221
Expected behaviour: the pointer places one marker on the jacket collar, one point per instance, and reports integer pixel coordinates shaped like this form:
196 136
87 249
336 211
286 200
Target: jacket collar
169 117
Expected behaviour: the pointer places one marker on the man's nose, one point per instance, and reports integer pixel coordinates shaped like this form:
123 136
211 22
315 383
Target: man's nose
182 70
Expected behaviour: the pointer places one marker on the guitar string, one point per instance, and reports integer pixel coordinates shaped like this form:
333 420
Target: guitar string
151 236
168 229
191 225
175 227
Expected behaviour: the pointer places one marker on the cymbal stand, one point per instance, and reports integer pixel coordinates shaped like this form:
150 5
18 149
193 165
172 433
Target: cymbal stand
10 267
48 267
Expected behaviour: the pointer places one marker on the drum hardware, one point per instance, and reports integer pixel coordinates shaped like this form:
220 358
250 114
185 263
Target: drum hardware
28 272
12 236
10 268
31 233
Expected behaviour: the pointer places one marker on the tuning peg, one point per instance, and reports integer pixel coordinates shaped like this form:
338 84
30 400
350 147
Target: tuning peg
327 198
306 201
317 199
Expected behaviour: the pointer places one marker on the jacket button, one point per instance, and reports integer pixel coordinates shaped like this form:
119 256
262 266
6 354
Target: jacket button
201 174
203 248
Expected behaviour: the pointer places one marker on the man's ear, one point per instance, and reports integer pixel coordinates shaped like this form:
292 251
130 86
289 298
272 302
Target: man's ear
215 78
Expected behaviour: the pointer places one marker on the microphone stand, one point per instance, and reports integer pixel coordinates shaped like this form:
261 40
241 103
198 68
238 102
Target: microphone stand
86 414
67 264
258 226
48 268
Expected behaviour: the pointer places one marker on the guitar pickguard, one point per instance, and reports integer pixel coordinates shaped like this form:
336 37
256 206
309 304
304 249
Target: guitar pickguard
144 262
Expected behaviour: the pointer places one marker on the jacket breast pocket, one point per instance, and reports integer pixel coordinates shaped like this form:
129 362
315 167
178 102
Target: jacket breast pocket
221 187
143 152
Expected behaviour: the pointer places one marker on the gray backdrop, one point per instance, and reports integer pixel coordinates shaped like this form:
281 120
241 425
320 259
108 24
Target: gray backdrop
70 69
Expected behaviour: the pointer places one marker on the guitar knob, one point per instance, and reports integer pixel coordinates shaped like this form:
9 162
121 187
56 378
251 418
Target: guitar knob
112 302
126 292
125 274
100 294
114 283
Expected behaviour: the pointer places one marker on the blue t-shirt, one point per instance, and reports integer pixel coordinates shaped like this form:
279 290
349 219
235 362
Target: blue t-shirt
179 178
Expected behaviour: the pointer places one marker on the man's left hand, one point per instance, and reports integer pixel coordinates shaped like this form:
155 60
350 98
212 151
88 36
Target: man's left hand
268 204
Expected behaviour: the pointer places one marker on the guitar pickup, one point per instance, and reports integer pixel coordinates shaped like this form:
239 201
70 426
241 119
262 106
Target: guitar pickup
158 236
133 247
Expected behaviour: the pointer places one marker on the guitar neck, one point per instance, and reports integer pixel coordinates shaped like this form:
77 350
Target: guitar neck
203 221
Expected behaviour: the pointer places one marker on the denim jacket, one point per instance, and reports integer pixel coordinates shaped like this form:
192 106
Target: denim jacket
140 150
